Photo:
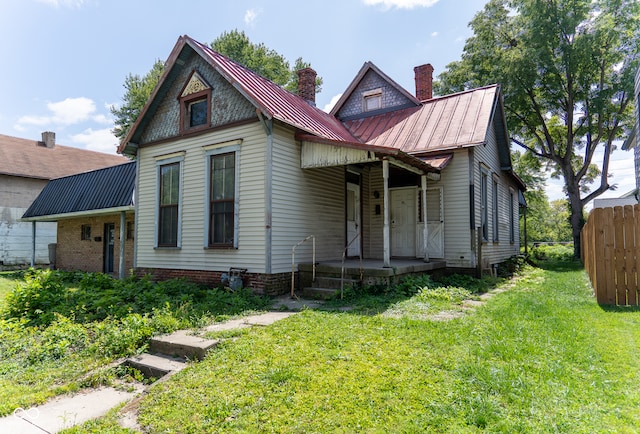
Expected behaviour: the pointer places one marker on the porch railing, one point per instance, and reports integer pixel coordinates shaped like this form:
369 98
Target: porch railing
293 264
344 255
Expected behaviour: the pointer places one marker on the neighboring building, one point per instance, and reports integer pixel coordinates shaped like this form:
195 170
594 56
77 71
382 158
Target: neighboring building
95 216
233 171
25 168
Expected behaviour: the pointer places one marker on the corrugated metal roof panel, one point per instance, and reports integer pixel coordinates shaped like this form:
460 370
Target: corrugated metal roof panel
111 187
273 99
447 122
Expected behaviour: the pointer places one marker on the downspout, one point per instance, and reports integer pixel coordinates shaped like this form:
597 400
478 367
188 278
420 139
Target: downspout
122 241
385 229
268 191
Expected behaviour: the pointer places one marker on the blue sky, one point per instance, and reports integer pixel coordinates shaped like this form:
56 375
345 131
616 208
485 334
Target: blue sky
64 62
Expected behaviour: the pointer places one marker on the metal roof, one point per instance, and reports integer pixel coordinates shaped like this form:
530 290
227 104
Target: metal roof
442 123
31 159
102 189
271 100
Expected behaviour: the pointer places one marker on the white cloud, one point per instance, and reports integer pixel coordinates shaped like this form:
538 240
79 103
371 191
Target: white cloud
67 112
327 108
434 34
97 140
63 3
401 4
251 15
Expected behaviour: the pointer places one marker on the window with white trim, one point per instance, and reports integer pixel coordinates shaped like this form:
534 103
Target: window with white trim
512 220
222 197
168 202
372 99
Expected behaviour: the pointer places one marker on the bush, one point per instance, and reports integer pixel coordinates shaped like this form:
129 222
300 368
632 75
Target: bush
553 252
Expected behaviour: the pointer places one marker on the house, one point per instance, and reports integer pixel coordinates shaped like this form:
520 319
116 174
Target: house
632 140
94 212
233 171
25 168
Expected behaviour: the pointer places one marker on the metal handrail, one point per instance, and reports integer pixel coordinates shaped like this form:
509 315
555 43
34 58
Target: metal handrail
293 255
344 255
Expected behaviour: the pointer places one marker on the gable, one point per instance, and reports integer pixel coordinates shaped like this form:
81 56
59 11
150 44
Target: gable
191 76
373 82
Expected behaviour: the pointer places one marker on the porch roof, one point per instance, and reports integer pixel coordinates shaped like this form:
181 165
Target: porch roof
98 192
363 153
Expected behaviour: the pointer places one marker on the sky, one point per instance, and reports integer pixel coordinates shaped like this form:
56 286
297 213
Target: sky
64 62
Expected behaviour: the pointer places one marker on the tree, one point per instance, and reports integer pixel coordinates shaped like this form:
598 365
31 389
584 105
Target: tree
236 46
138 90
566 68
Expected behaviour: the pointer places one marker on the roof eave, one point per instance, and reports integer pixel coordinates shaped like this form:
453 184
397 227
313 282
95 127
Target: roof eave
78 214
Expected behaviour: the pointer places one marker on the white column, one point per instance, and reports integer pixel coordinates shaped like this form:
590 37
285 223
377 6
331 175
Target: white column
385 230
33 244
425 230
123 227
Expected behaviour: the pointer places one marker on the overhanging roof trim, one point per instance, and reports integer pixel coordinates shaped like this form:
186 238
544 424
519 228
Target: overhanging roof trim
79 214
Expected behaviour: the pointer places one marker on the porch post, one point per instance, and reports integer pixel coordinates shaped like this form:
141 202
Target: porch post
385 230
123 220
33 244
425 228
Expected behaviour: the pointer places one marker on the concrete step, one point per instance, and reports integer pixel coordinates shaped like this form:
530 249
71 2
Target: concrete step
182 344
333 282
155 365
319 293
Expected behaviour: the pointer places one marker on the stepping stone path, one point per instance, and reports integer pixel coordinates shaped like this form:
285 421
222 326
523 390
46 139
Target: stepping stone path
167 355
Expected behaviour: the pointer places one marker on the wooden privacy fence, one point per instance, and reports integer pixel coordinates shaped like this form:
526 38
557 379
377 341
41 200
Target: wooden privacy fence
611 254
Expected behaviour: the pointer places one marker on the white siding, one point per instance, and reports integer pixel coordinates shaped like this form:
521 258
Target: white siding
305 202
496 251
192 255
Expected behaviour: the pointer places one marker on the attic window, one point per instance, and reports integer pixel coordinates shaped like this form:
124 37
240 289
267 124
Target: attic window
372 99
195 103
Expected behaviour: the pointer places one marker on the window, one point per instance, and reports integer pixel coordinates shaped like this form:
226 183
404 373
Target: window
169 180
484 202
222 192
195 103
495 210
130 230
372 100
85 232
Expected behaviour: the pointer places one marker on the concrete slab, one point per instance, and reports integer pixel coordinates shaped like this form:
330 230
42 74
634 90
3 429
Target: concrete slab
64 411
268 318
294 304
182 344
155 365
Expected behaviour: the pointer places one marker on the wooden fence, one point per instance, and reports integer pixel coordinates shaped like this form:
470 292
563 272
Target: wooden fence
611 254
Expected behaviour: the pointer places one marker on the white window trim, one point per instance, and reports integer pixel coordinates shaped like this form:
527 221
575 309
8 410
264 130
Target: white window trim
484 202
370 94
209 151
177 157
512 218
495 189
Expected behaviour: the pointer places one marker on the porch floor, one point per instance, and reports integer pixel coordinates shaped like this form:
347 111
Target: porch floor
375 267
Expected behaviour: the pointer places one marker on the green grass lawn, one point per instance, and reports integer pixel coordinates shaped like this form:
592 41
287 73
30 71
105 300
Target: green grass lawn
541 357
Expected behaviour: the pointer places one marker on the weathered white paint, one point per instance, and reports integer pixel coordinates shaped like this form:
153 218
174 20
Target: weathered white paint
353 219
192 255
16 239
425 229
305 202
403 222
386 249
321 155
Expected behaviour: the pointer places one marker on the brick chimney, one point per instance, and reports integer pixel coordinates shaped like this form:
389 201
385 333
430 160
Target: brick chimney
49 139
424 81
307 85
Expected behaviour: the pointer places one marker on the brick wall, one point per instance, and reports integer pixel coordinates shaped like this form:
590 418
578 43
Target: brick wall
265 284
74 254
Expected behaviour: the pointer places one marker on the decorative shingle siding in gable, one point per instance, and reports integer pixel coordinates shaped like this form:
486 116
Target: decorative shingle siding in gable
391 97
228 105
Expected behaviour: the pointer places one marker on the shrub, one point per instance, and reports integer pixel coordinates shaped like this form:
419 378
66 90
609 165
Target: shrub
453 294
39 298
553 252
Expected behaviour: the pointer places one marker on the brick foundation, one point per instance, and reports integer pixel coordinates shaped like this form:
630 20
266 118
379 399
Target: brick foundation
259 283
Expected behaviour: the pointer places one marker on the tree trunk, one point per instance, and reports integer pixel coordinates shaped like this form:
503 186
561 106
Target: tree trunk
576 218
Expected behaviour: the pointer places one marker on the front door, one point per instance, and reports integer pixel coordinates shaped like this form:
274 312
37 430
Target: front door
403 222
109 241
353 219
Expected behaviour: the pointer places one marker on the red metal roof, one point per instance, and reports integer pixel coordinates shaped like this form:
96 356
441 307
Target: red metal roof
274 101
442 123
30 159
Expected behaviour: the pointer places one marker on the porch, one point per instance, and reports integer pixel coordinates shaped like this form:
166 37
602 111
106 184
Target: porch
331 276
